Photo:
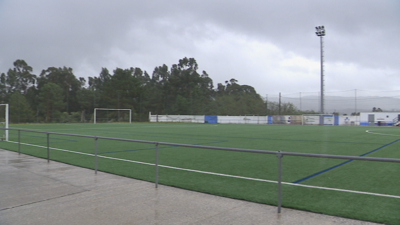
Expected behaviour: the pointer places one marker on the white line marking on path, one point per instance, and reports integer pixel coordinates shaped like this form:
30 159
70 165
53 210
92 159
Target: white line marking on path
220 174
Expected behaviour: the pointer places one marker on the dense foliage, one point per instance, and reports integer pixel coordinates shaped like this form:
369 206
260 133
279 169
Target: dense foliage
57 95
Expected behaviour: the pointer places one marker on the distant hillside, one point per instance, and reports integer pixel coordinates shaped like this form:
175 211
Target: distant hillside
344 105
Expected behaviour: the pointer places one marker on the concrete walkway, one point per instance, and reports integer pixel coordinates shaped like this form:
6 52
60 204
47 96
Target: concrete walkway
33 191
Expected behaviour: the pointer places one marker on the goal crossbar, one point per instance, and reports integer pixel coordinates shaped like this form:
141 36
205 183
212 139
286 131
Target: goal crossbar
106 109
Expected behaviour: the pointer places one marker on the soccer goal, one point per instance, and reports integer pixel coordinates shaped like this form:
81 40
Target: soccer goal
111 115
4 121
318 119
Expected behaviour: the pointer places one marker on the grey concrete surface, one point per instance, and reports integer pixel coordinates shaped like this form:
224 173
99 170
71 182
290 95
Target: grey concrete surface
33 191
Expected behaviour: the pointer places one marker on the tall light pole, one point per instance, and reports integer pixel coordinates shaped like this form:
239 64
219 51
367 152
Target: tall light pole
320 33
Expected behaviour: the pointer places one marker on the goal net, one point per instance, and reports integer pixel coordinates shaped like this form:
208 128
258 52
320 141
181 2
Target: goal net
104 115
318 119
4 121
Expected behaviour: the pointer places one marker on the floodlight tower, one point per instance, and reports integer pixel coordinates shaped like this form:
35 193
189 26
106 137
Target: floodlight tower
321 33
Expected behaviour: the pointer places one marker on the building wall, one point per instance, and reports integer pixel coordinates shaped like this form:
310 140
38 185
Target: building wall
348 121
380 118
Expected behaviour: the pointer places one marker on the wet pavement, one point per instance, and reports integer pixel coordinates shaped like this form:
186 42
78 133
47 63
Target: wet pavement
33 191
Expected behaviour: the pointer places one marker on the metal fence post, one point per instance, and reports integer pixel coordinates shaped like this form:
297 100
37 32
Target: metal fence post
156 165
48 147
279 155
19 142
95 155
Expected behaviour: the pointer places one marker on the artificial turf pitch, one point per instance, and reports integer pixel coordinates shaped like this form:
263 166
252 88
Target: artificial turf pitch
359 189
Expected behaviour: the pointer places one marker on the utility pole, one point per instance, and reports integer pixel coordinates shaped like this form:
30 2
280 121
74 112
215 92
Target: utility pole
279 103
355 101
321 33
300 101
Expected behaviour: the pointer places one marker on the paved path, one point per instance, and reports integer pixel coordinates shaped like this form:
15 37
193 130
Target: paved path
33 191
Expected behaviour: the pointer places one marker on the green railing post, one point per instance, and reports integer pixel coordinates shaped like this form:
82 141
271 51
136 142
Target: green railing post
48 147
156 165
19 142
95 155
279 155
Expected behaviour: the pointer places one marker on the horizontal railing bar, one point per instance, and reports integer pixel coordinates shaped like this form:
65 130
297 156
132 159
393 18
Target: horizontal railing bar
225 148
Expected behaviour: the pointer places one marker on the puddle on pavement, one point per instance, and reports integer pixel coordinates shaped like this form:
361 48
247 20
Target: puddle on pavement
21 166
59 169
16 160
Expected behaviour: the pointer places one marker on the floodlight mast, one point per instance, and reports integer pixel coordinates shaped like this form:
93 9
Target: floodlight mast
320 33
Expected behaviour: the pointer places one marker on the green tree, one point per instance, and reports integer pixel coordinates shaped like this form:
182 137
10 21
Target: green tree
122 91
86 100
20 109
140 99
180 89
159 91
3 90
235 99
97 84
20 78
51 101
64 78
194 90
377 109
286 108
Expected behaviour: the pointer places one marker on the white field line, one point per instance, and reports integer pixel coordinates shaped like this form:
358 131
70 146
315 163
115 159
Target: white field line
106 128
220 174
395 135
92 128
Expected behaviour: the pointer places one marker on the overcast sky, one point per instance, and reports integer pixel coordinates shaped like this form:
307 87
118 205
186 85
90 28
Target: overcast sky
268 44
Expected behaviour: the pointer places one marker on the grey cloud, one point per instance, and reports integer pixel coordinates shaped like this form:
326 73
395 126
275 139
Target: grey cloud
98 33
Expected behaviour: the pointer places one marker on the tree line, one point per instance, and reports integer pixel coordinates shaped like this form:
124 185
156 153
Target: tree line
57 95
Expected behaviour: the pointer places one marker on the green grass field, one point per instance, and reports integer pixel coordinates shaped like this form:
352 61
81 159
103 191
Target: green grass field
354 189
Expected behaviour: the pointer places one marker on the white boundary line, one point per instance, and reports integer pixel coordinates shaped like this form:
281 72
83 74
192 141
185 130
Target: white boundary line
107 128
368 131
220 174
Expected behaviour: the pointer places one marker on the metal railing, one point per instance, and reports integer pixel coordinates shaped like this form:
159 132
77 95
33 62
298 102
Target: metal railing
279 154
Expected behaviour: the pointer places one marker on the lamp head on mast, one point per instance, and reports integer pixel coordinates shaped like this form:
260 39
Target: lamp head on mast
320 31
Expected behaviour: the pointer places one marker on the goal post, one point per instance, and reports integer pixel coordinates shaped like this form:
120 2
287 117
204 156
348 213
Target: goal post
318 119
4 133
106 109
